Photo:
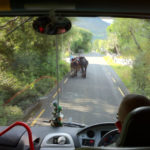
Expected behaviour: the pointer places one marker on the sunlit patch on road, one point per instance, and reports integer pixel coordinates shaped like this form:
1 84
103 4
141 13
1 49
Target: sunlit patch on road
75 107
85 101
96 60
42 121
101 109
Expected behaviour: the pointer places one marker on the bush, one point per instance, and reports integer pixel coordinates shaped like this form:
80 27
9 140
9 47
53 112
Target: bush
67 54
9 114
3 118
25 57
64 68
13 113
141 73
124 72
44 86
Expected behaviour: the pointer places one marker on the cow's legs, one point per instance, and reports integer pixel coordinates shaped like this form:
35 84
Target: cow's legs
82 70
75 74
85 72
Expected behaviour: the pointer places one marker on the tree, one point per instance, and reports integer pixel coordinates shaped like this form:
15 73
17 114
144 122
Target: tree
82 40
26 56
126 31
99 45
133 37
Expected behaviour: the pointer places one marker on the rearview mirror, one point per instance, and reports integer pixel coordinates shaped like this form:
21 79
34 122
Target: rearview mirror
52 26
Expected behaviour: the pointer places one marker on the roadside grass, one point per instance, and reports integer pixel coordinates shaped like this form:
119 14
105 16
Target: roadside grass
124 72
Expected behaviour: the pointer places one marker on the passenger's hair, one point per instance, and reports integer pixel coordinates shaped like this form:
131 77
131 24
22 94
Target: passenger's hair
131 102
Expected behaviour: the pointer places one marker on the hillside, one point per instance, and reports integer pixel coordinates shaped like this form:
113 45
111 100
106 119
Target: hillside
94 25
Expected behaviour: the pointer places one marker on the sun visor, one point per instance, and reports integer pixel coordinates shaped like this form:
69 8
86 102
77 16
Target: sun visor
5 5
110 8
55 5
44 5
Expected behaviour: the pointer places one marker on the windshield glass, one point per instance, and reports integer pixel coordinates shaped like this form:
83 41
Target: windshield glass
88 69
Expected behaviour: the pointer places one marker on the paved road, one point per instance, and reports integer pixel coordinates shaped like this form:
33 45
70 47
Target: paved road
91 100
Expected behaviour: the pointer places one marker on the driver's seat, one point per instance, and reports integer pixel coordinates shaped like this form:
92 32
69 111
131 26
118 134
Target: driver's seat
136 129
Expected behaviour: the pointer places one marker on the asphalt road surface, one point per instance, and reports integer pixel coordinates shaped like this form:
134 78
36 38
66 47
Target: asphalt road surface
92 100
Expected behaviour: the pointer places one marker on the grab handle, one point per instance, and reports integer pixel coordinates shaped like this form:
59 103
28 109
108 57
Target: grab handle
18 123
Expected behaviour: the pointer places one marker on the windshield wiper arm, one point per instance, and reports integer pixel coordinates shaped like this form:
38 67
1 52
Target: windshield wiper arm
74 124
70 124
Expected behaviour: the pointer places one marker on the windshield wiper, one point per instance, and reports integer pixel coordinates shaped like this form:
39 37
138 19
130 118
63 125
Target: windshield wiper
70 124
73 124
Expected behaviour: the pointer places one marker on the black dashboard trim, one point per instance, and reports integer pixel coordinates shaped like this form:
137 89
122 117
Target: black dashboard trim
97 125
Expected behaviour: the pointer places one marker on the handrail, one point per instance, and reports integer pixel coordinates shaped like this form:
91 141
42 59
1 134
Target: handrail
18 123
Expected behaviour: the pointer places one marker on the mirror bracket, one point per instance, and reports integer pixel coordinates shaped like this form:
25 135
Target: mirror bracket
52 25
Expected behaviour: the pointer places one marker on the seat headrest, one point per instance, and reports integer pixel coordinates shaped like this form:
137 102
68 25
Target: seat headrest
136 128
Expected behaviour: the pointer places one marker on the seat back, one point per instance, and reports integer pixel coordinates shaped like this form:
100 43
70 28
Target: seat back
136 128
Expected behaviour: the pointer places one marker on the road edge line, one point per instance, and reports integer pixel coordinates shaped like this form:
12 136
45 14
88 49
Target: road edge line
35 120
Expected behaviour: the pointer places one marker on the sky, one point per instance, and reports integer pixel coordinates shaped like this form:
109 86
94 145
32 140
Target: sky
108 20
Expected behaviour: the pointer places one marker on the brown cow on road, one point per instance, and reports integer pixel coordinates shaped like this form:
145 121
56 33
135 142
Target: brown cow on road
77 64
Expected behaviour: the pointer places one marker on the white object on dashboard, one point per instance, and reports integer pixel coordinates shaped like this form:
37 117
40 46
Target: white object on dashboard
57 141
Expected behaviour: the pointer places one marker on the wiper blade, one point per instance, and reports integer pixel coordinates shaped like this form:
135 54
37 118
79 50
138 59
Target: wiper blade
69 124
73 124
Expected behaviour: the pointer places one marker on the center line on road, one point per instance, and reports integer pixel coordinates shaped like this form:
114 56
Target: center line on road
56 93
35 120
59 89
113 80
66 81
121 91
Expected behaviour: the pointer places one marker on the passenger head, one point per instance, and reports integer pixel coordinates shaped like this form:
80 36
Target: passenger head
129 103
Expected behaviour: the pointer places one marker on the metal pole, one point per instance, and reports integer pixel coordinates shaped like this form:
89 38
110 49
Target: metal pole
57 69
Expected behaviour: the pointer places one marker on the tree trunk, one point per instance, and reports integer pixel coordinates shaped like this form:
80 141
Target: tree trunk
136 42
117 49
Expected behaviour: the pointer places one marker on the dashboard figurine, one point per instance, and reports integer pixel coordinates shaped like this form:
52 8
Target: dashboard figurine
57 115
